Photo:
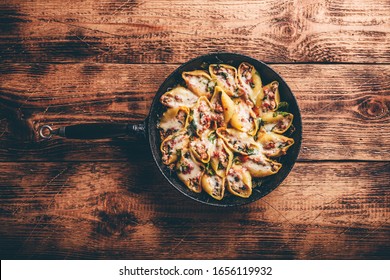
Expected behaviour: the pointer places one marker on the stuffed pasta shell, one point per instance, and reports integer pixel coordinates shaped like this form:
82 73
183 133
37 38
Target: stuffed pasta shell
202 148
214 186
199 82
239 181
249 81
221 158
177 97
275 145
277 122
172 147
201 118
190 172
260 166
269 98
226 78
223 106
243 118
173 120
239 142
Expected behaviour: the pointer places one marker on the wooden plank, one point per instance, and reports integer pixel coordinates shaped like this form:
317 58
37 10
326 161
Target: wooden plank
159 31
345 108
324 210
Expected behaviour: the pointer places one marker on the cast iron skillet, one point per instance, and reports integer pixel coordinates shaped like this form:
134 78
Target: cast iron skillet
147 130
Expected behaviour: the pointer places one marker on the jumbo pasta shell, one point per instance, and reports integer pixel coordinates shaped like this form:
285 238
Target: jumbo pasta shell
222 105
249 81
243 118
199 82
269 98
239 181
201 148
277 122
201 116
238 141
221 158
177 97
275 145
226 77
173 120
173 146
190 172
260 166
214 186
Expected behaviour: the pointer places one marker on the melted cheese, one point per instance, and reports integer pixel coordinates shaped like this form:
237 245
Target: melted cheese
171 124
260 166
275 145
269 126
239 142
277 122
214 186
243 118
190 172
239 181
226 77
174 119
179 96
172 144
202 115
199 82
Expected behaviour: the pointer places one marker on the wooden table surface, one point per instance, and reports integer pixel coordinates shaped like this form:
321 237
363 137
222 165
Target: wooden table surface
69 62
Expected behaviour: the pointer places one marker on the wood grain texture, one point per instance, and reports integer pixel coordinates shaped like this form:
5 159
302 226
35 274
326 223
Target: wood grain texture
345 108
175 31
127 210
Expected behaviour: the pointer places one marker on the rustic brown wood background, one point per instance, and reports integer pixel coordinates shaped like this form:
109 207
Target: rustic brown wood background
68 62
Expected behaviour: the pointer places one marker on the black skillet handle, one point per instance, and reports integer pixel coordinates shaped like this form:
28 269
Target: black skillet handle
94 131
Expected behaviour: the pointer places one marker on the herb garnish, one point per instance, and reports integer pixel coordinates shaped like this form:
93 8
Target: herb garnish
192 128
224 75
283 106
250 151
260 123
212 137
284 114
209 170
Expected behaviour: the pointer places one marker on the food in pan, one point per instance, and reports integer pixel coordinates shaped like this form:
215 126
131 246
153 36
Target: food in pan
173 120
226 77
269 98
222 129
249 81
199 82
